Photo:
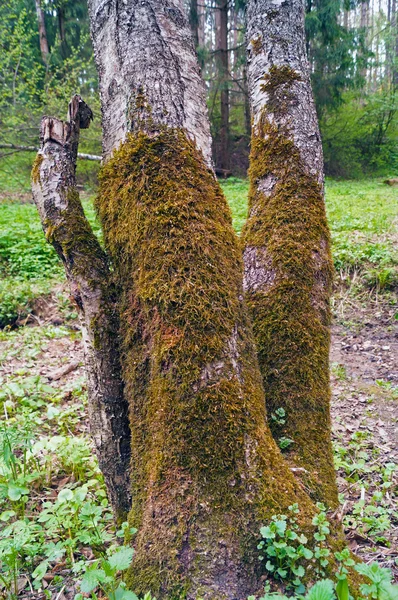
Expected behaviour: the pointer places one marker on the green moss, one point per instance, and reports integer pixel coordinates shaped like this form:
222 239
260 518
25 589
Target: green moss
290 314
35 175
205 471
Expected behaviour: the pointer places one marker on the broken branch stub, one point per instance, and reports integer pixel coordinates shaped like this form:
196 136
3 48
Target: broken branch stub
87 270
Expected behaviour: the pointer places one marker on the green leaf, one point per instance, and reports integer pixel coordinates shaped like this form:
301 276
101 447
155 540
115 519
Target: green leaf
40 570
322 590
281 572
65 495
267 533
7 514
388 591
121 560
122 594
280 527
307 553
15 492
299 571
269 566
91 580
342 590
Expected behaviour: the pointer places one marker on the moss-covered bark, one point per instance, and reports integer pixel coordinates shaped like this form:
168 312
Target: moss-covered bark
288 278
206 472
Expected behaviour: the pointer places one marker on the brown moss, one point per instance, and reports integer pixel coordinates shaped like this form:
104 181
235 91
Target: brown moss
291 314
277 85
35 174
257 45
205 470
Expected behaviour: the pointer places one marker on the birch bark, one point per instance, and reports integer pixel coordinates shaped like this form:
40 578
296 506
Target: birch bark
142 45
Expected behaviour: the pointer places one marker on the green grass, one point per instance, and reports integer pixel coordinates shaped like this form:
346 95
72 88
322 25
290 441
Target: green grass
363 216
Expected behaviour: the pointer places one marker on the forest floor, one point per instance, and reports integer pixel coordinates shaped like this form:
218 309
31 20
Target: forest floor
54 516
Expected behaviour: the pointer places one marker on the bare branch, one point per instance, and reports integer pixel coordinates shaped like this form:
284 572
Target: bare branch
33 149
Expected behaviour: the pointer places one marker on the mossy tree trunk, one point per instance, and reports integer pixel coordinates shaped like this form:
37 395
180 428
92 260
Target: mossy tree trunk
288 266
205 470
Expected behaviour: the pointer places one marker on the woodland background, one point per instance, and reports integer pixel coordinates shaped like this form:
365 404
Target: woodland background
46 56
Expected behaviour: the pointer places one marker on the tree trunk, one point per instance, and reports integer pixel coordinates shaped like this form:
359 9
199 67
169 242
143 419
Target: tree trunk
42 32
206 472
288 266
66 228
194 21
201 24
394 40
364 24
222 61
61 29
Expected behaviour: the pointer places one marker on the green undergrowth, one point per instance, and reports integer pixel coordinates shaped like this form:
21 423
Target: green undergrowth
29 266
55 519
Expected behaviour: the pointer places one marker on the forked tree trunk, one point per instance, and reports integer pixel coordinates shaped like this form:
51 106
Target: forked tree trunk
288 266
205 471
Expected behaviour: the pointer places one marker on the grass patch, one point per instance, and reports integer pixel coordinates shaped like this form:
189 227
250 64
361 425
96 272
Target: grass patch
363 217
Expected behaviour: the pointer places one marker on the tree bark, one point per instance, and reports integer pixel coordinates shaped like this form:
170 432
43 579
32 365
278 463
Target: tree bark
206 471
86 266
288 266
42 32
125 70
201 24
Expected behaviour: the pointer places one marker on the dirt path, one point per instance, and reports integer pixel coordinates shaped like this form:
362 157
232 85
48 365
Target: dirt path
364 359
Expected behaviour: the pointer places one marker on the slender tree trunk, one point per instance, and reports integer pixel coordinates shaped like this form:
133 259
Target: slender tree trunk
223 62
61 29
42 32
66 228
194 21
205 470
364 24
288 267
201 24
394 39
